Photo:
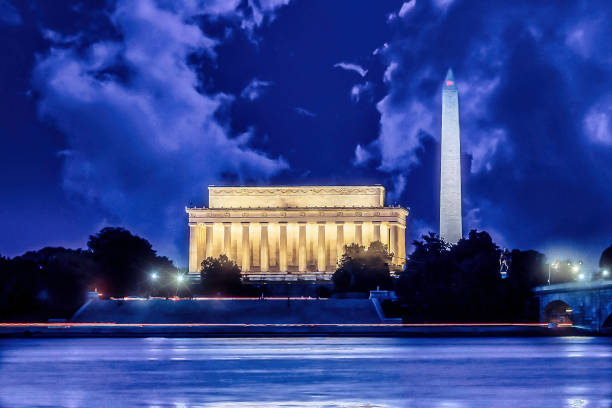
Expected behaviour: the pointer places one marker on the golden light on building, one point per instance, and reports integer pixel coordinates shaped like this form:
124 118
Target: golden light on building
293 232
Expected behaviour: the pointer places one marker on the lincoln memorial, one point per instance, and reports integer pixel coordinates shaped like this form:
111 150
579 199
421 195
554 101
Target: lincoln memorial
293 232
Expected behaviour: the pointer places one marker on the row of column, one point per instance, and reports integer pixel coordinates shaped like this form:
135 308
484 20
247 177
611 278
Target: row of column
199 235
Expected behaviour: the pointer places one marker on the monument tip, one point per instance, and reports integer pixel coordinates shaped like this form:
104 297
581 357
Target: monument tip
449 81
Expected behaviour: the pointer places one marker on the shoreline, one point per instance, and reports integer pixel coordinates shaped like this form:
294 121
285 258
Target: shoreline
102 330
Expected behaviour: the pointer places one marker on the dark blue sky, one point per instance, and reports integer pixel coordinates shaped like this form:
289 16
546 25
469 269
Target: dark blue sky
122 112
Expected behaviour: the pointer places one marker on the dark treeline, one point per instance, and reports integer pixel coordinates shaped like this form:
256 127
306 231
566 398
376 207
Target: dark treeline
463 283
441 282
456 283
53 282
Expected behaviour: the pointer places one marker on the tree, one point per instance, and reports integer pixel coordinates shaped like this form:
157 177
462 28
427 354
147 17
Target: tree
65 276
458 282
125 262
51 282
220 275
362 270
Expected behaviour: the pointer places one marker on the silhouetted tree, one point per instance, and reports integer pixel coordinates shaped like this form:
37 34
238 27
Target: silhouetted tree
462 282
125 263
361 270
452 282
51 282
220 275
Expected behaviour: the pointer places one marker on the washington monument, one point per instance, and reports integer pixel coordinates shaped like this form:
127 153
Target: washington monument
450 172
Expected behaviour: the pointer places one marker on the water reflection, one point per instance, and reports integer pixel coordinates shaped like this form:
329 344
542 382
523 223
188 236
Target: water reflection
303 372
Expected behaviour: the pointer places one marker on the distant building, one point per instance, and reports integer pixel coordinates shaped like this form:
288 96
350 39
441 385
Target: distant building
289 233
450 171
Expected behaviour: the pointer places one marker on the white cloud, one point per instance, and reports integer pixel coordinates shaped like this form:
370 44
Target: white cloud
389 71
141 149
403 11
254 89
478 138
258 13
401 128
362 155
380 49
483 150
583 37
399 185
352 67
406 7
597 122
359 89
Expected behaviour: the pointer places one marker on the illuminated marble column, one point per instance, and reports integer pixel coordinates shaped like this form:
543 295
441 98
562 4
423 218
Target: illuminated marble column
234 244
376 229
339 239
393 245
227 239
193 247
264 256
321 264
332 238
402 244
282 246
246 247
358 233
201 252
302 246
209 240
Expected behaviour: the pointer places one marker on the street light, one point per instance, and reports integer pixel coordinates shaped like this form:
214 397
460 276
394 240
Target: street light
605 273
581 276
154 276
179 278
555 266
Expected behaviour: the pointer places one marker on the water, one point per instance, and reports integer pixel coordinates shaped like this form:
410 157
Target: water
307 372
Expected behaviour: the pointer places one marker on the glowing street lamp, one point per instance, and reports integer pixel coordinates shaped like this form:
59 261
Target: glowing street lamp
605 273
154 276
555 266
581 276
179 278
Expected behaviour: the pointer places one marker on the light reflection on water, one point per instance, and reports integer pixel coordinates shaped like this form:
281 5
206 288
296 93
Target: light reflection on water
307 372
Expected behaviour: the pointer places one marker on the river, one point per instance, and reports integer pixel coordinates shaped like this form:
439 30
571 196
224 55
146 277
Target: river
307 372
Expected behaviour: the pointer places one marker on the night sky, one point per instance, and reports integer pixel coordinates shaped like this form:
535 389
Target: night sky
121 112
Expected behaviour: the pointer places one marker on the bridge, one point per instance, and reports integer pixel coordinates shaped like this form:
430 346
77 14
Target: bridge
585 304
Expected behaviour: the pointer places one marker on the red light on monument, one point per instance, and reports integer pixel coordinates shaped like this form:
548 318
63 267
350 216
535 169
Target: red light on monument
449 83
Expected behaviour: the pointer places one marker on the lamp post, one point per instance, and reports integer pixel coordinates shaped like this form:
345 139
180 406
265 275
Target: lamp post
555 266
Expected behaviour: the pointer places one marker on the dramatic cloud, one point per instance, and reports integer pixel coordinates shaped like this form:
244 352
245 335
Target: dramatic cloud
143 139
352 67
522 116
254 89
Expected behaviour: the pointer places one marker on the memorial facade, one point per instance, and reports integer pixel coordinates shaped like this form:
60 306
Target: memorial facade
293 231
